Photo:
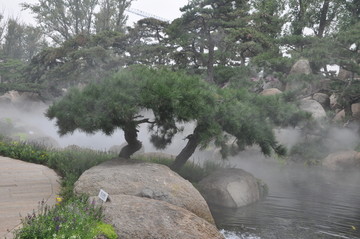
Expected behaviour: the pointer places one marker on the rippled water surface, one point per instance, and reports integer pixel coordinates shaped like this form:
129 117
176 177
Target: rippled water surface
303 203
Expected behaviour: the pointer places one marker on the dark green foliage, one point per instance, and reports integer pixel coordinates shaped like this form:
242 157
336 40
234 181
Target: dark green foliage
11 70
80 60
97 107
239 77
61 20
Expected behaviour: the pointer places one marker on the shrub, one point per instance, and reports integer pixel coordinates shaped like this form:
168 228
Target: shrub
72 219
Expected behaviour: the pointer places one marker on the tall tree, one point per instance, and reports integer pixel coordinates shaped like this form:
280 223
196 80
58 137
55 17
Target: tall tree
111 16
147 43
79 60
63 19
202 28
22 41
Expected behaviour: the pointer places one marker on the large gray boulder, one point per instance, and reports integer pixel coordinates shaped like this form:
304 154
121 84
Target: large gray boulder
149 180
302 66
343 160
323 99
140 218
231 187
313 107
355 109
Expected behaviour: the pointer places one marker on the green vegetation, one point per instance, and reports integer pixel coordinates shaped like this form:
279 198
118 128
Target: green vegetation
73 219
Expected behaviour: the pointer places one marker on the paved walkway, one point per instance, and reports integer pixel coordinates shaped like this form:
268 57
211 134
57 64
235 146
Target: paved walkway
22 186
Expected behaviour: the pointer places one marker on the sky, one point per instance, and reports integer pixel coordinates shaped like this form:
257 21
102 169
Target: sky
168 9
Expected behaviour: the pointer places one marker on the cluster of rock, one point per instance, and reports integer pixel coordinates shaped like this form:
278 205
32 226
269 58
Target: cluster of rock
318 100
315 102
22 100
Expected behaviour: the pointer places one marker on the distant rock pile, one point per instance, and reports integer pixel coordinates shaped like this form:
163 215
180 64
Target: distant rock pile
23 100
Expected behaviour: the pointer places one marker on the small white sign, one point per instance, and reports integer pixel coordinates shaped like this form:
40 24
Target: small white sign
103 195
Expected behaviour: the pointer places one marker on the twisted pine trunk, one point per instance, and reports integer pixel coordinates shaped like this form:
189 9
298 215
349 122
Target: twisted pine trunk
186 153
133 145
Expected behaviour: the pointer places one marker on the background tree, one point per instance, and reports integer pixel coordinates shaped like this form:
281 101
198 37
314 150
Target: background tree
22 41
111 16
78 61
203 26
63 19
147 43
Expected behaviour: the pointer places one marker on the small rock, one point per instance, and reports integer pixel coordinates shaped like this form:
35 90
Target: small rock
271 91
343 160
323 99
302 66
313 107
355 109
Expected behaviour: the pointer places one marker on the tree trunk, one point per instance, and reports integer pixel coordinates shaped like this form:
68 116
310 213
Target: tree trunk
133 145
186 153
323 18
298 24
210 62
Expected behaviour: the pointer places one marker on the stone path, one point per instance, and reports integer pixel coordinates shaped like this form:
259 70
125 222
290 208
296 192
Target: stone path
22 186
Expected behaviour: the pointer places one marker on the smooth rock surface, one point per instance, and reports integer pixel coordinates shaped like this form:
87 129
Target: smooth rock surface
343 160
302 66
323 99
313 107
22 186
143 218
149 180
231 187
355 109
271 91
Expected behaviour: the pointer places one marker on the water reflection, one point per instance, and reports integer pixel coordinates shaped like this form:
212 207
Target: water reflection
303 203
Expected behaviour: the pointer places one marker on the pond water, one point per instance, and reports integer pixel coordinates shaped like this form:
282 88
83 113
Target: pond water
303 203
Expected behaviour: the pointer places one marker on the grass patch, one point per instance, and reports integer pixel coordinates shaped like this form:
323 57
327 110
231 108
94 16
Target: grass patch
74 219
